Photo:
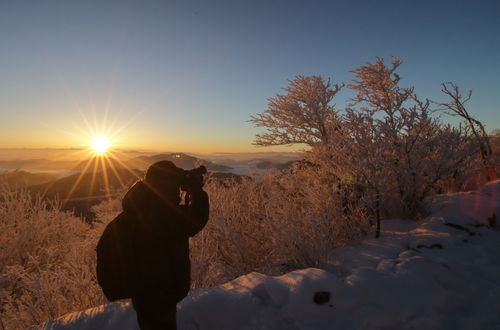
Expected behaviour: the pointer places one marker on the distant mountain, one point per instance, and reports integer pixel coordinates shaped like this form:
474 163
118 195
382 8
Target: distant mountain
229 158
38 164
179 159
223 176
88 185
80 191
20 178
267 164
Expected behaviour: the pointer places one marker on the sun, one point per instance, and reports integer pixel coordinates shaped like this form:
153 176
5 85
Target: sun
100 145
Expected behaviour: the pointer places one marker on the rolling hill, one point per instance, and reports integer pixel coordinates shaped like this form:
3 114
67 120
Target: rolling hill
179 159
22 179
79 192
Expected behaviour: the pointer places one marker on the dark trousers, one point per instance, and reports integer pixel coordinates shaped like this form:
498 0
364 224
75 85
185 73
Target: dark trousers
155 315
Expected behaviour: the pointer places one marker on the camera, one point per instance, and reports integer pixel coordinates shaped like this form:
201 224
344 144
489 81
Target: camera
192 179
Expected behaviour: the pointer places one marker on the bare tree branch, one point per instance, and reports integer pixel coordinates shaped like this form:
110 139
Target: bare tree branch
304 115
456 107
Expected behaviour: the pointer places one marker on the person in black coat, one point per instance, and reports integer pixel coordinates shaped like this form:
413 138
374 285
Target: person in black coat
160 270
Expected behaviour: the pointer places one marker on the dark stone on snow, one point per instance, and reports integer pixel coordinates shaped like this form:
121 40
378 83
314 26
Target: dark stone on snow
321 297
433 246
454 225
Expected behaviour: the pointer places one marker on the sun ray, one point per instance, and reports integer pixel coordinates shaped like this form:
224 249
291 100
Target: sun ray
86 121
105 119
94 175
68 90
72 190
106 179
125 166
115 171
112 127
124 126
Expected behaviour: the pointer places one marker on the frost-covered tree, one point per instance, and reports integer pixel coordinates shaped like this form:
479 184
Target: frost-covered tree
456 107
304 115
495 149
414 150
388 150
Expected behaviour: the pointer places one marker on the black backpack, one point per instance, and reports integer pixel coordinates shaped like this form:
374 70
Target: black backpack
115 261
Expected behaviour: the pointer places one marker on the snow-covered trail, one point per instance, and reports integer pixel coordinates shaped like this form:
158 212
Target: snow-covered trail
440 273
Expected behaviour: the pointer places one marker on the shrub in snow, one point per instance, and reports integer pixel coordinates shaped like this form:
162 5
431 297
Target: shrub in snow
46 261
413 151
273 224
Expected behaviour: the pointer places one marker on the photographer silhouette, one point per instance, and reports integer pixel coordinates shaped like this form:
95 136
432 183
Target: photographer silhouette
144 252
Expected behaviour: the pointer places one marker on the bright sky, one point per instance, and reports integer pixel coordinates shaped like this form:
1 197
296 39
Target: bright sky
187 75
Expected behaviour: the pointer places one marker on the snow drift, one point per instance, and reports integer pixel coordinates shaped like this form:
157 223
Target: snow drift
440 273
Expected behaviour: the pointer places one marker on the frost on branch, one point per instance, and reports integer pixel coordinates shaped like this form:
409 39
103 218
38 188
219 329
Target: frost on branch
388 144
456 107
47 260
377 86
413 150
304 115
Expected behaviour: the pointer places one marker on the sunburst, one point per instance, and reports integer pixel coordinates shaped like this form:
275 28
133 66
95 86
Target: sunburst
101 158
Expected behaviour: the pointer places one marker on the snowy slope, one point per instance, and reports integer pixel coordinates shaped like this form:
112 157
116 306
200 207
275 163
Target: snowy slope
440 273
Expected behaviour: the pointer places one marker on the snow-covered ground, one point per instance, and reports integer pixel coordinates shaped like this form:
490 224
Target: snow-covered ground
440 273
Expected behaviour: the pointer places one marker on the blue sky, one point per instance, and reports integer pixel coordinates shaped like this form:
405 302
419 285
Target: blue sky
187 75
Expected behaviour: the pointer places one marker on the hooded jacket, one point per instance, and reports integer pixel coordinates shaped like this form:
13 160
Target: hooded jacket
160 264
